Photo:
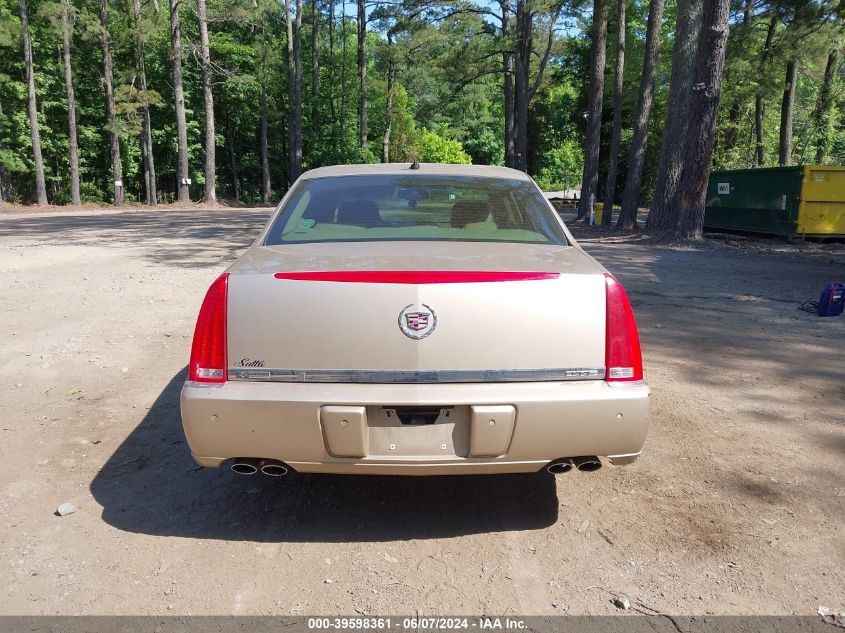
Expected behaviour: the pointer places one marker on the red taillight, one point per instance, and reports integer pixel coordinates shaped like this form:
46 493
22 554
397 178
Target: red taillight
622 357
208 353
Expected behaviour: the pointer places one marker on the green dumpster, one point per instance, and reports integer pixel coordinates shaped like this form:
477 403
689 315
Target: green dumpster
806 200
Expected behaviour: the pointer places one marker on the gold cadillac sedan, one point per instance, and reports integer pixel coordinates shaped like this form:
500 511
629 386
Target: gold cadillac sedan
415 320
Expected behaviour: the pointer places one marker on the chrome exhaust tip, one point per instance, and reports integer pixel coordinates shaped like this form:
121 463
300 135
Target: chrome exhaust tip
274 470
587 464
560 466
251 465
244 466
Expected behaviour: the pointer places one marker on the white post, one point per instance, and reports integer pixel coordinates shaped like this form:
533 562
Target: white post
592 209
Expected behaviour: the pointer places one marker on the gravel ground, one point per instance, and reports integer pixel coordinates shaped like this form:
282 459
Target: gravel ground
736 506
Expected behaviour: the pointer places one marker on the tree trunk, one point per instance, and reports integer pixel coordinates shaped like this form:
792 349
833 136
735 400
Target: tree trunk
508 108
108 84
636 161
388 124
759 148
181 126
747 11
147 131
521 62
343 91
294 31
787 110
297 75
823 107
71 108
507 87
145 164
664 207
618 84
315 74
701 137
595 94
32 107
5 188
362 79
208 98
262 141
759 106
263 123
332 105
233 162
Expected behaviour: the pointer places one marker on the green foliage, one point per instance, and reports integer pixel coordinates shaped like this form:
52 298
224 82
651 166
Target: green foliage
557 159
806 31
562 167
433 148
447 106
129 103
485 145
13 162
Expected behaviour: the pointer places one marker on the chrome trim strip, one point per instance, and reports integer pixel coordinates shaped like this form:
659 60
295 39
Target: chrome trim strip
400 376
203 385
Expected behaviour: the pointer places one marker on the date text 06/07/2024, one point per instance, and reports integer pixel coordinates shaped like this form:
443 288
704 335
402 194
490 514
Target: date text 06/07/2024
415 623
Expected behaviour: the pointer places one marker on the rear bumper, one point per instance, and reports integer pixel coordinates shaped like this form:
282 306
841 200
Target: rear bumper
299 424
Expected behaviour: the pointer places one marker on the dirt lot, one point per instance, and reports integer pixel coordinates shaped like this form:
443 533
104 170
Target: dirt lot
735 507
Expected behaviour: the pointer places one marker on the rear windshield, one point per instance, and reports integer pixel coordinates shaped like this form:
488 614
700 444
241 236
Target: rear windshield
415 207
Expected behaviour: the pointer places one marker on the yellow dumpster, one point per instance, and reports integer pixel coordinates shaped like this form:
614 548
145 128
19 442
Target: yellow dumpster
821 211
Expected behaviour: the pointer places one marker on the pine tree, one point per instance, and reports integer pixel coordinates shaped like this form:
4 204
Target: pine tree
73 144
700 139
182 185
618 86
595 94
208 100
108 84
32 107
630 200
672 153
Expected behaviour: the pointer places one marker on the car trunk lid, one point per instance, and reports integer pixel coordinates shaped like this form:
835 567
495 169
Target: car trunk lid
450 312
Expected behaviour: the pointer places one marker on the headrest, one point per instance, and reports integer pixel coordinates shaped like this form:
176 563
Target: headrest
360 212
464 213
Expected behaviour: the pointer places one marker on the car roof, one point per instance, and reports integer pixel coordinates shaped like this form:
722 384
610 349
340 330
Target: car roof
438 169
